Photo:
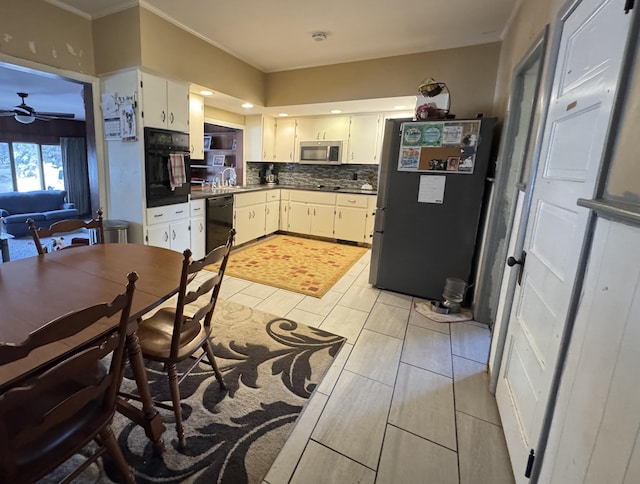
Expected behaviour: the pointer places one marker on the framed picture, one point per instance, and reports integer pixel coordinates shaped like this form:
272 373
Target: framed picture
218 160
207 142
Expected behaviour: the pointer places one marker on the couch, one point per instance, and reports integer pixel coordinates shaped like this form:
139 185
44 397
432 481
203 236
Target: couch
43 206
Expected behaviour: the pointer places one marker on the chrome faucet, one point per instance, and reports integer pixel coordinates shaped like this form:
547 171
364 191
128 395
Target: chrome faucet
231 181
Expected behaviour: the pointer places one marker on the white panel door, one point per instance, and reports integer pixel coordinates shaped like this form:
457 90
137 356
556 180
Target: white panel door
583 91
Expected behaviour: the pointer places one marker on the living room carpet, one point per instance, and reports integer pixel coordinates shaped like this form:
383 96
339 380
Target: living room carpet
270 366
306 266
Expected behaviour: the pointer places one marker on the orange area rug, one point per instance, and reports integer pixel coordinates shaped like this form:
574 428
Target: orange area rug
306 266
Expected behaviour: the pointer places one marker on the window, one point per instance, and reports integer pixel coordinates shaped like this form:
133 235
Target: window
29 166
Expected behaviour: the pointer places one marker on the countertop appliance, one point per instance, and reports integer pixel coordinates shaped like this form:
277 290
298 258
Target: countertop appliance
159 144
431 189
219 220
321 152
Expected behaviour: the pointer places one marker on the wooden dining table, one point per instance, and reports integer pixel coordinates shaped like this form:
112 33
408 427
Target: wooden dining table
36 290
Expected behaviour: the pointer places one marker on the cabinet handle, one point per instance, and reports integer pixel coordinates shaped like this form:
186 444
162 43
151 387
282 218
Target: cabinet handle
308 212
166 236
179 211
171 118
340 214
173 232
201 227
351 201
158 215
164 116
314 212
196 209
268 212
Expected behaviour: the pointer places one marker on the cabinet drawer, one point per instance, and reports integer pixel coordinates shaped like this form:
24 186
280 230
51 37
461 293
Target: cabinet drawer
273 195
320 198
167 213
350 200
197 208
284 194
246 199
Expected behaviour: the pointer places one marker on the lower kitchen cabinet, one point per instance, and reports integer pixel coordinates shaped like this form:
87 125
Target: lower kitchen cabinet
198 228
272 217
284 210
353 217
168 227
311 213
249 216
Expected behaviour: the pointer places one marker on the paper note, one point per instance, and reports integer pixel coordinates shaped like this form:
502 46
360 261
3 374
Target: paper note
431 189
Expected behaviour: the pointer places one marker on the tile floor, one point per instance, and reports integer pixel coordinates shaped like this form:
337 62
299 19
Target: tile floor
405 401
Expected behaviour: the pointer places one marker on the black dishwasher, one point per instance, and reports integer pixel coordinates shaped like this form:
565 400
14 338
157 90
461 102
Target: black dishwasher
219 220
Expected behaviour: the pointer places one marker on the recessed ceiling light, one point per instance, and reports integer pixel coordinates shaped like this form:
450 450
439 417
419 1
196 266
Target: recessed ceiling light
283 115
336 111
206 93
247 105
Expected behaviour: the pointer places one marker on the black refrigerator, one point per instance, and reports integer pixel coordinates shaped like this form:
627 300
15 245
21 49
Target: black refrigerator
431 191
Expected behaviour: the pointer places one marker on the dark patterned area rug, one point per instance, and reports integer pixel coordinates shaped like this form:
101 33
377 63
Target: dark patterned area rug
270 366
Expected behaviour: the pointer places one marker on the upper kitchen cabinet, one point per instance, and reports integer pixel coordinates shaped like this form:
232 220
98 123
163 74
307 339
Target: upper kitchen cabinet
364 139
165 103
285 139
196 126
260 134
328 128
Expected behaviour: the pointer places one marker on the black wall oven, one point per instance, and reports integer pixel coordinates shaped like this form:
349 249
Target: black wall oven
159 144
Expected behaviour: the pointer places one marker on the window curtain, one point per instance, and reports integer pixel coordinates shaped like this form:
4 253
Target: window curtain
76 173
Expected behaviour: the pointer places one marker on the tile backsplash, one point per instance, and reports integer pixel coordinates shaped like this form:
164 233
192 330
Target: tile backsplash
306 175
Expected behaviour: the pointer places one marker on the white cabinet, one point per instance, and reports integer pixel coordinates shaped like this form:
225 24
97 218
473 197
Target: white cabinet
168 227
260 134
351 217
284 210
198 224
249 215
285 139
311 213
196 126
272 212
365 133
371 217
325 128
165 103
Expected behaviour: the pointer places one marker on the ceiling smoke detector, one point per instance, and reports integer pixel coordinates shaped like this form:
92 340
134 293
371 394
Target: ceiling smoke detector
319 36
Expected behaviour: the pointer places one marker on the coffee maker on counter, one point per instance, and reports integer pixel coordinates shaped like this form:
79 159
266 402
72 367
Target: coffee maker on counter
268 176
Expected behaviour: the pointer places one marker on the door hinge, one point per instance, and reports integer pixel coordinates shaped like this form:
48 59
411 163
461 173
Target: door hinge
532 457
628 5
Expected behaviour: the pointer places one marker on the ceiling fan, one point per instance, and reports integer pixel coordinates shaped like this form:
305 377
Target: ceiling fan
26 114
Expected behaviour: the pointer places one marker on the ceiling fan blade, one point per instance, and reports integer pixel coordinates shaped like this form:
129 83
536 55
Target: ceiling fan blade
54 115
6 113
23 110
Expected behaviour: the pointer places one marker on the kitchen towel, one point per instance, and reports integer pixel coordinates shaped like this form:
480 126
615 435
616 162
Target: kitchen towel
177 174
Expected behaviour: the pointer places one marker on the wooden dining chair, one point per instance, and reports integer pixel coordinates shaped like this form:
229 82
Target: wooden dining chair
47 417
174 334
65 226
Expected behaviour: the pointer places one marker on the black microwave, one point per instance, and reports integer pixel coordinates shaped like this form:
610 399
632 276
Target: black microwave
159 145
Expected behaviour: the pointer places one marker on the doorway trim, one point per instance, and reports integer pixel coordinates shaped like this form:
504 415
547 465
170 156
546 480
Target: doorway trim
98 173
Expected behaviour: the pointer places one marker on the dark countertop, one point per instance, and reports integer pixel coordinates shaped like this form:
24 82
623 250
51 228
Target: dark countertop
197 192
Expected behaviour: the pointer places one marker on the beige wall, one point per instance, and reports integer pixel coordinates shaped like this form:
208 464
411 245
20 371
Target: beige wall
469 72
623 183
525 28
117 41
39 32
177 54
221 115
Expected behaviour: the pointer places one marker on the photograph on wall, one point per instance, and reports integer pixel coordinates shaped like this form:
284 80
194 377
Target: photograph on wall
437 165
409 158
452 134
453 163
432 134
470 135
466 164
